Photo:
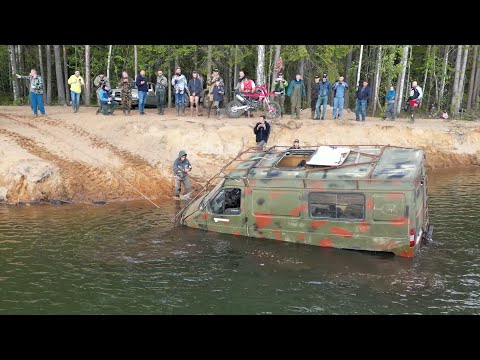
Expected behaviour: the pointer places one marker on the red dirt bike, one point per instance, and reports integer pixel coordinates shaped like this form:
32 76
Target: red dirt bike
246 101
411 105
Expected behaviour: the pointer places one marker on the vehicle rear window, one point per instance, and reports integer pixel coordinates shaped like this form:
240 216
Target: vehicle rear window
344 206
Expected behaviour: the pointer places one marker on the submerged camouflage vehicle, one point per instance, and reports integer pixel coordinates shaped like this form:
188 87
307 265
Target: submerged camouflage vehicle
359 197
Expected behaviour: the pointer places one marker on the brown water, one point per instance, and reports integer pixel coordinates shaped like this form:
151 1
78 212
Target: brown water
127 258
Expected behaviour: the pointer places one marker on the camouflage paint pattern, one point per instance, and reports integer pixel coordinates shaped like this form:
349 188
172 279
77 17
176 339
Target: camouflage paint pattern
274 201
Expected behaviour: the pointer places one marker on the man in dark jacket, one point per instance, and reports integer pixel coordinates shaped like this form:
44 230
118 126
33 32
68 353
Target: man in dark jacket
142 87
181 168
262 132
363 94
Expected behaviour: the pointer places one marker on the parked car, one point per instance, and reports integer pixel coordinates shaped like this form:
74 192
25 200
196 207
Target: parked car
151 99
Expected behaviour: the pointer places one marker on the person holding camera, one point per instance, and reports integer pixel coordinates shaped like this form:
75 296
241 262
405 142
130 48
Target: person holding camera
280 85
179 82
142 87
262 132
76 82
99 81
160 90
181 169
108 105
125 85
323 91
296 91
36 91
211 81
339 89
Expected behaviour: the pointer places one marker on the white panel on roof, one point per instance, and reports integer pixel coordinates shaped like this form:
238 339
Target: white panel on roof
329 156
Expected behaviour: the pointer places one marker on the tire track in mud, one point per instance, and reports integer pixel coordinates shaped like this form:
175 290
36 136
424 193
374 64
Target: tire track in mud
83 180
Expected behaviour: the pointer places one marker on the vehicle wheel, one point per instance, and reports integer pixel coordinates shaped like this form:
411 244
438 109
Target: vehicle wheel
232 109
275 110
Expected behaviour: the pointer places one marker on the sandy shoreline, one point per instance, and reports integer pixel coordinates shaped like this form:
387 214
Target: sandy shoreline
83 157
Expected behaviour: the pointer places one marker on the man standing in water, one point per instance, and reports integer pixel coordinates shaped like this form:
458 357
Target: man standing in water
181 168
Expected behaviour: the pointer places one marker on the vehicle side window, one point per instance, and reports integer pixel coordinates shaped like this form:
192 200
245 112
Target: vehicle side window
227 202
336 206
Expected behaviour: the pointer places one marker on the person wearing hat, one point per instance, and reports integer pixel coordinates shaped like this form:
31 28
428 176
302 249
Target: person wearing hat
181 168
323 91
313 102
195 89
160 90
210 84
280 85
296 91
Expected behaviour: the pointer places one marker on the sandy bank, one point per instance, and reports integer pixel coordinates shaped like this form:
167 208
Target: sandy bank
84 156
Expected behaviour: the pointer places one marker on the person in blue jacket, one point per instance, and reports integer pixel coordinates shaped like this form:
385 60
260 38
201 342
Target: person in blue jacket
363 94
390 97
339 89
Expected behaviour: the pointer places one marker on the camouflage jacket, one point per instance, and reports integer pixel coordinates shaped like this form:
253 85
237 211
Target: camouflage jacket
36 83
161 84
211 82
125 86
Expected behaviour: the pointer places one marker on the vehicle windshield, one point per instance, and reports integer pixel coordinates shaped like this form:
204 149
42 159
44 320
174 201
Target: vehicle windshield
210 194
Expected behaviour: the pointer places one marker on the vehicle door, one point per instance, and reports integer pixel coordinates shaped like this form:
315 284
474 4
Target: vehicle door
226 211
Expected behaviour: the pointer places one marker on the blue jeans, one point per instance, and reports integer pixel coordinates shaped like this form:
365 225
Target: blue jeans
321 100
363 104
390 110
337 106
179 100
75 99
142 99
36 101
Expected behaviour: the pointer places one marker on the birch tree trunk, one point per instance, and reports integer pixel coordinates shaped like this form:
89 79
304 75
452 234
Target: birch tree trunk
108 62
13 68
21 69
407 84
476 87
472 78
427 60
349 65
278 48
135 59
359 66
59 75
377 79
65 70
42 73
302 68
461 81
260 65
401 78
86 98
209 60
444 75
48 81
458 64
235 71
